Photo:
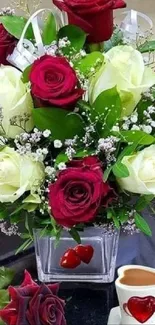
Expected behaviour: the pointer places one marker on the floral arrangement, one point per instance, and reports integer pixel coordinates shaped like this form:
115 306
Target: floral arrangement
31 303
77 125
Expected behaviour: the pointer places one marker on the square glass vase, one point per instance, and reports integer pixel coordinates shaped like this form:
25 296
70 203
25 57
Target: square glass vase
101 268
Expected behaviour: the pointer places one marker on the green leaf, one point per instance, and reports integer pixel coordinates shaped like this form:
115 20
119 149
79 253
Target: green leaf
88 62
15 25
75 35
27 226
142 224
75 235
26 74
46 221
123 216
62 124
139 137
81 153
111 214
57 240
49 30
30 207
127 151
116 39
24 246
107 173
148 46
116 222
108 106
4 298
3 214
19 208
142 106
62 157
120 170
25 236
6 276
16 218
54 225
143 202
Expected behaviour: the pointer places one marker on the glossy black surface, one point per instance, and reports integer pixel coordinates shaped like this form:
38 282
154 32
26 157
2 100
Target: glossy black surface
86 304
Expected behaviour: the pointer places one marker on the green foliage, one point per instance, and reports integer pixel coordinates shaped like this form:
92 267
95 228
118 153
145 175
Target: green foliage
148 46
61 157
75 35
141 107
127 151
49 33
26 74
92 60
107 173
143 202
4 299
15 25
109 107
120 170
75 235
116 39
6 277
62 124
123 216
142 224
80 153
3 214
25 245
18 209
111 215
139 137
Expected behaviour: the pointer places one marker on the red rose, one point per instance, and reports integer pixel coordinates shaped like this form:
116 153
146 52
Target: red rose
78 192
7 44
54 82
32 304
95 17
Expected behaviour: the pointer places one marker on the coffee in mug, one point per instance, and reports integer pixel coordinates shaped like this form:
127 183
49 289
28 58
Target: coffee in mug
136 294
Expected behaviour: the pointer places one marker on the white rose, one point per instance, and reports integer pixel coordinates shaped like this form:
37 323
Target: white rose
18 174
123 68
141 167
15 100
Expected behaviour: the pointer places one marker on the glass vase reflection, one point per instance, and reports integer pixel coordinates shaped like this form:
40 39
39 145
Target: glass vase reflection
101 268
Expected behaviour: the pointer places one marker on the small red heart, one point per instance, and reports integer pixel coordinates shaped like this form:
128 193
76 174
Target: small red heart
85 253
142 309
70 260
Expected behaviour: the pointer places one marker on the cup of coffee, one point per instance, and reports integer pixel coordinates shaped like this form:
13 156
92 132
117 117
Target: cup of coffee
136 294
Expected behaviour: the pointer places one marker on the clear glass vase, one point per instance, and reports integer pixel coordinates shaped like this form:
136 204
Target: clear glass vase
101 269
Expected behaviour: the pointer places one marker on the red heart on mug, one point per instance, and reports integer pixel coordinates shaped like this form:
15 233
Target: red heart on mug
142 309
70 260
85 253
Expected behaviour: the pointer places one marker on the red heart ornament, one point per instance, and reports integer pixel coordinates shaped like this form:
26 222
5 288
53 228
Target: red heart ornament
141 309
85 253
70 260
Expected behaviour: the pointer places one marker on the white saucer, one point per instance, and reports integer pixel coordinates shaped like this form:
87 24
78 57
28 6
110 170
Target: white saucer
115 316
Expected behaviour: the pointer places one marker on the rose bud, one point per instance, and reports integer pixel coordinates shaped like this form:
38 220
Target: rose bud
7 44
95 17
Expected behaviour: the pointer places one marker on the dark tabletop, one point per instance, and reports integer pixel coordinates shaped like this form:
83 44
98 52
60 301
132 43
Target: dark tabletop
86 304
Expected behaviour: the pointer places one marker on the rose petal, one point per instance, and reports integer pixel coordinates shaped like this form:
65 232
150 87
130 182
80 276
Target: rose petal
28 280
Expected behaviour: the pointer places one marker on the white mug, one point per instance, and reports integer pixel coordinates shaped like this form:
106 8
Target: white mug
137 303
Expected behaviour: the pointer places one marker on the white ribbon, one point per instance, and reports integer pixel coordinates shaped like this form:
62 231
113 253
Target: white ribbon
130 26
25 52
